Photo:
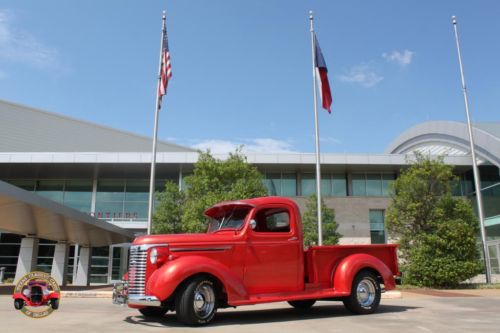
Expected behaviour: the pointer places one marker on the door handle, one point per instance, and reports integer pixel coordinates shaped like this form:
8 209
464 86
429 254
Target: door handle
294 238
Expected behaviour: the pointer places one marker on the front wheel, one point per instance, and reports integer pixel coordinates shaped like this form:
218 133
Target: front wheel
365 294
196 303
302 305
54 303
18 304
153 311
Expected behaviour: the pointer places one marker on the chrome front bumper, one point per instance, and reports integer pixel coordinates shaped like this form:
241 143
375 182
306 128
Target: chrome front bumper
121 297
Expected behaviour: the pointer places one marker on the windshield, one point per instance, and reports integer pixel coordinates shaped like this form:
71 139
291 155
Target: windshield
228 219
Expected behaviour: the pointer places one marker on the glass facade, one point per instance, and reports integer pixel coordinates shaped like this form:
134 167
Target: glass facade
99 264
46 250
331 184
284 184
377 226
10 246
372 184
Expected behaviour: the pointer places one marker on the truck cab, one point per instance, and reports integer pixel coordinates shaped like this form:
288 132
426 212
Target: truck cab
252 253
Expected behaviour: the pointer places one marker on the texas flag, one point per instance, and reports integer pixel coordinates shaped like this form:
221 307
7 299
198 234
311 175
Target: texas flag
322 77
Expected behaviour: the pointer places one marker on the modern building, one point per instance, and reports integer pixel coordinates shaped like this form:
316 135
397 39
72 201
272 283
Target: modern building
97 178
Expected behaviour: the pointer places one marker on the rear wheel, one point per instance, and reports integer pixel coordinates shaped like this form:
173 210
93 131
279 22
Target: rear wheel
196 303
303 305
18 304
365 294
153 311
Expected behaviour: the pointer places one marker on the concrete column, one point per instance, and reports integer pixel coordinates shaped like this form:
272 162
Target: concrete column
83 270
28 254
60 263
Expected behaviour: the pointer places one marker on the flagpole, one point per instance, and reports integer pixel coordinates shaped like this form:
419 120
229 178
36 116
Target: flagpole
155 133
316 131
475 169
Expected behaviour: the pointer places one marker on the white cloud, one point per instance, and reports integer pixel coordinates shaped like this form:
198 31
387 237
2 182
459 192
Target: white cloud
330 140
362 74
22 47
403 59
259 145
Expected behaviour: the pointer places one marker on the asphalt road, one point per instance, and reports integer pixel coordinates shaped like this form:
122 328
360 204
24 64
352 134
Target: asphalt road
412 313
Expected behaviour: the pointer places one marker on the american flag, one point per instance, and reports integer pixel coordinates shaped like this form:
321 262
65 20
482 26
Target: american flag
166 67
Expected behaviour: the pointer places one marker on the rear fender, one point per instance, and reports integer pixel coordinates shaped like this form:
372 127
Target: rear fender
165 280
348 267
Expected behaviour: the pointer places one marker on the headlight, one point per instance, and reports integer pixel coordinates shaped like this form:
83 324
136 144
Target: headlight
153 255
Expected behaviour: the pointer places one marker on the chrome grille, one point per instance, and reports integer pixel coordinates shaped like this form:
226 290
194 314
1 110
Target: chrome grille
137 270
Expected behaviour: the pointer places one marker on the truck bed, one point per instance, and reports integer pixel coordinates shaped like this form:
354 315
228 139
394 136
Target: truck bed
320 261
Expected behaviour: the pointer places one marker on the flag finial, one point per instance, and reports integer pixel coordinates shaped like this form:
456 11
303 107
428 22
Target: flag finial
454 19
311 15
164 14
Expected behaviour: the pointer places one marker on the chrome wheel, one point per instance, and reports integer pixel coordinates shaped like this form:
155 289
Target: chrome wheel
365 292
204 300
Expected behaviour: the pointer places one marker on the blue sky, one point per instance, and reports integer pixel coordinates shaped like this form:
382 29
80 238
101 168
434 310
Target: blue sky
242 69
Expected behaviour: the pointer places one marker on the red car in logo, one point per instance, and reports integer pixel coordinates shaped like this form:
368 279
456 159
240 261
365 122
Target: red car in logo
36 293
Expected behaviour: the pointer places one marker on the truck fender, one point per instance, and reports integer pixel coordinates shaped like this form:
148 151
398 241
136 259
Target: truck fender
346 270
165 280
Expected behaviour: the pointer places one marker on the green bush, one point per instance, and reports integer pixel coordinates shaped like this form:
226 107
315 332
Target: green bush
436 232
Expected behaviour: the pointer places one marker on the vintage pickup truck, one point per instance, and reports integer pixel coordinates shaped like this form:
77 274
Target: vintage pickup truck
252 253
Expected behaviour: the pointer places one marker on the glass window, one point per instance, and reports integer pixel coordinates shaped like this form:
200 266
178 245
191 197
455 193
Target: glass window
51 189
110 199
339 188
358 184
110 190
377 226
373 185
273 183
289 185
272 220
387 180
28 185
137 190
78 194
99 265
308 184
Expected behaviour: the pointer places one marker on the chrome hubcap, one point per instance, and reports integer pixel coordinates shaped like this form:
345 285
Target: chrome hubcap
204 300
365 292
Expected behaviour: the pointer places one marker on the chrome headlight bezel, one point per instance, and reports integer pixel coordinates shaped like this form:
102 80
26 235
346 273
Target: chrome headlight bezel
153 255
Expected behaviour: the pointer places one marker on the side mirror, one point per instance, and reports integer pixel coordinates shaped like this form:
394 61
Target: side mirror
253 224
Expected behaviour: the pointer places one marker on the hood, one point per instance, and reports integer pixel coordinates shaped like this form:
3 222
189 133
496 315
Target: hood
195 239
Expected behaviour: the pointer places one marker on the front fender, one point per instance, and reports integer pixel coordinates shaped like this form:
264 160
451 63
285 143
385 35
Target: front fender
349 266
163 282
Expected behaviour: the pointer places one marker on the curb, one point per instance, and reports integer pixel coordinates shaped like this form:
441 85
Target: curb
392 294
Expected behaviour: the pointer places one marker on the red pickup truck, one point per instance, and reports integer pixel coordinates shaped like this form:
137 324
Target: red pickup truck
252 253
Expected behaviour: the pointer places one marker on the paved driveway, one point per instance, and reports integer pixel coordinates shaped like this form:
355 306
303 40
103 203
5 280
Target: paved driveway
415 312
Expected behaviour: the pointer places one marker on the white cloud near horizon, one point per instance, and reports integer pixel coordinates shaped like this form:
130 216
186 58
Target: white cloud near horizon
403 59
362 74
259 145
22 47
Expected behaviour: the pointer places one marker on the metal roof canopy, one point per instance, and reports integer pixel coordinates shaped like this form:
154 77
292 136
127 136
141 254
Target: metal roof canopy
25 213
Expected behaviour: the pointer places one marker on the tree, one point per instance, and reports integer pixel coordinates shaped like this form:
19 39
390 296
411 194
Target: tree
169 211
436 232
213 180
310 223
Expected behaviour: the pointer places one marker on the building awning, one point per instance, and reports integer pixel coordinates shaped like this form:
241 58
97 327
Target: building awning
25 213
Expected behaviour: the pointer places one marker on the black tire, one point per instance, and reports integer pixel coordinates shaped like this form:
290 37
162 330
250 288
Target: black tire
365 294
18 303
303 305
196 302
153 311
54 303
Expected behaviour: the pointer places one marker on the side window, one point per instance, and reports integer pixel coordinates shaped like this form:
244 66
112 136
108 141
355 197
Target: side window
272 220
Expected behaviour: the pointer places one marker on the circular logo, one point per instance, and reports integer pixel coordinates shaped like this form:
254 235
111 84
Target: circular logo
36 295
